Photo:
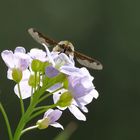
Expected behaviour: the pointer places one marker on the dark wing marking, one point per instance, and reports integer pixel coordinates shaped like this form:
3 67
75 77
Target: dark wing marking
40 38
88 61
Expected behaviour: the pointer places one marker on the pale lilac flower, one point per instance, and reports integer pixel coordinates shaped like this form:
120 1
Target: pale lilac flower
50 118
21 61
60 63
72 107
58 60
61 59
17 60
25 88
80 83
82 90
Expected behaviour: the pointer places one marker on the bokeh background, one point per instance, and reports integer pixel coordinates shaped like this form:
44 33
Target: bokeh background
107 30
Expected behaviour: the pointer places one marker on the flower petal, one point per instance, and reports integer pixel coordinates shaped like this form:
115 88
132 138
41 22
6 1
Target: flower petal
53 116
9 74
26 74
86 73
70 70
47 113
50 59
84 100
51 71
55 87
21 60
24 88
79 105
38 54
57 125
62 59
8 58
19 50
77 113
56 97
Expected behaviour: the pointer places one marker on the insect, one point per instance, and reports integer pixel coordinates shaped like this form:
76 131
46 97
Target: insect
67 48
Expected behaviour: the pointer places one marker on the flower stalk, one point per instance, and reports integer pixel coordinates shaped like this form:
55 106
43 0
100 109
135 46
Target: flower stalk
29 129
6 121
21 101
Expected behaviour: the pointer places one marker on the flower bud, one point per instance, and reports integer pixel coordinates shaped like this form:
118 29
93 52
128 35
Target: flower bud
32 81
16 75
37 65
65 99
43 123
66 83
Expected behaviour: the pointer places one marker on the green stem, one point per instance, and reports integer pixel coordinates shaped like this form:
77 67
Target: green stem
39 78
49 94
21 100
29 129
42 107
23 122
44 97
37 113
31 98
7 122
35 81
27 116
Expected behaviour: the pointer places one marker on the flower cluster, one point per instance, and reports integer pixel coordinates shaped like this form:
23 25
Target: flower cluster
37 75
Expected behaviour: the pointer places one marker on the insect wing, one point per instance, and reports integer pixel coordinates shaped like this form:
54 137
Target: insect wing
81 58
40 38
88 61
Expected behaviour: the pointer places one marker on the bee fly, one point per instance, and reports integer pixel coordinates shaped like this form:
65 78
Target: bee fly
67 48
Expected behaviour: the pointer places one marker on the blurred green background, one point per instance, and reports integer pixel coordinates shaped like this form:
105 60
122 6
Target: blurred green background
107 30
